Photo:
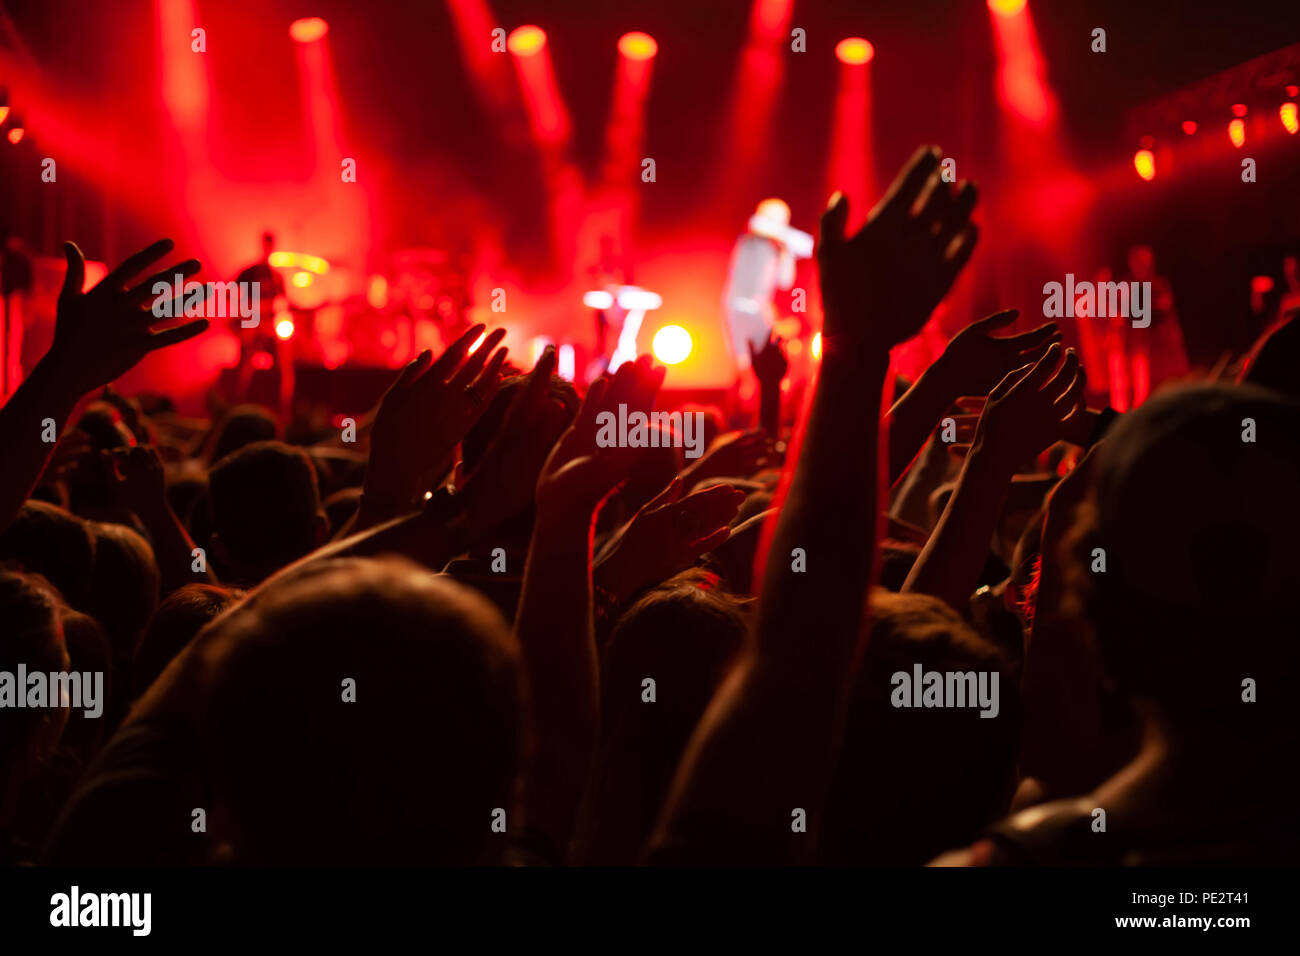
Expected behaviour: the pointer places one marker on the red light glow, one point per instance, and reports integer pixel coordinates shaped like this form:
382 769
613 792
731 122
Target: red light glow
308 29
526 40
637 46
1144 161
1006 8
855 51
1290 121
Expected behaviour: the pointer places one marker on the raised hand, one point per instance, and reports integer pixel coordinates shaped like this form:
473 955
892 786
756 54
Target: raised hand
769 362
505 481
976 360
579 473
1032 408
427 412
881 284
101 334
732 455
667 535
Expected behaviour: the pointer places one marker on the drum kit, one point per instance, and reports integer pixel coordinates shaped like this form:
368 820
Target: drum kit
418 299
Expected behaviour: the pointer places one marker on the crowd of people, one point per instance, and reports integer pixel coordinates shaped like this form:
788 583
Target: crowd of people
963 620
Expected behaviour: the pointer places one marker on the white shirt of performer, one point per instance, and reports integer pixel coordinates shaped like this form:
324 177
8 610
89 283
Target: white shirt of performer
759 266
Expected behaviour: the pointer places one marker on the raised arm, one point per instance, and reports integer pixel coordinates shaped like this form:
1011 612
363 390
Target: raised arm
764 752
98 336
554 623
1030 409
972 363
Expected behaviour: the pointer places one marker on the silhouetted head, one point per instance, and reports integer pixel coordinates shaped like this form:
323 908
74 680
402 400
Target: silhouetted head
363 712
44 539
241 426
30 635
180 616
265 509
913 780
1195 512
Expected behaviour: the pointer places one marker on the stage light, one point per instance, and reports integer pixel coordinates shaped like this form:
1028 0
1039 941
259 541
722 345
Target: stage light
566 362
597 299
1238 109
672 344
283 260
1290 122
1261 285
314 264
308 29
4 114
631 298
1189 127
526 40
637 45
817 346
855 51
301 279
1144 161
1006 8
1237 132
284 329
15 135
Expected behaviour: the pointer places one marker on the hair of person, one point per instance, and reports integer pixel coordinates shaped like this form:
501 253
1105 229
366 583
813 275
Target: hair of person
180 616
265 507
363 712
47 540
30 635
1200 575
913 781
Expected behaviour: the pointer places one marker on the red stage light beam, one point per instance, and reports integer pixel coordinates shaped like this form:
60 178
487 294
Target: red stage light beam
625 130
1022 86
745 135
852 145
547 115
186 87
474 23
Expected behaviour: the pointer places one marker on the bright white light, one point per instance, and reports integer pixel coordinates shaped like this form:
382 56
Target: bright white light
631 298
672 344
